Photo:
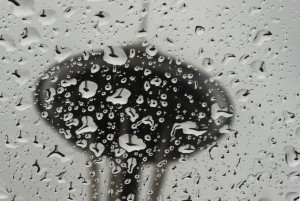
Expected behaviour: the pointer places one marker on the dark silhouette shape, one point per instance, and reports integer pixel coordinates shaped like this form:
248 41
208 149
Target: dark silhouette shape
173 102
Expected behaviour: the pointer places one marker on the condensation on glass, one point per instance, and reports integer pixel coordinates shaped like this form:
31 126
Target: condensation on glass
149 100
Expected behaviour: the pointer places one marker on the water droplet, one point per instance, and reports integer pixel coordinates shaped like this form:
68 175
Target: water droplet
259 68
131 142
115 56
30 35
199 30
7 42
262 37
47 17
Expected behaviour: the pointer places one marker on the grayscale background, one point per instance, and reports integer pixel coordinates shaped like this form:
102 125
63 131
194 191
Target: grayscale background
257 161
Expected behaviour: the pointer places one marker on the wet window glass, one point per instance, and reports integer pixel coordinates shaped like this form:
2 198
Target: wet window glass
149 100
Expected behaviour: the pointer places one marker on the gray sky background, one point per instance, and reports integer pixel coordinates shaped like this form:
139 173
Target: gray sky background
266 131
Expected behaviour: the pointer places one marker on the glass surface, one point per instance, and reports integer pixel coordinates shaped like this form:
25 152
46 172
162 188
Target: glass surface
149 100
